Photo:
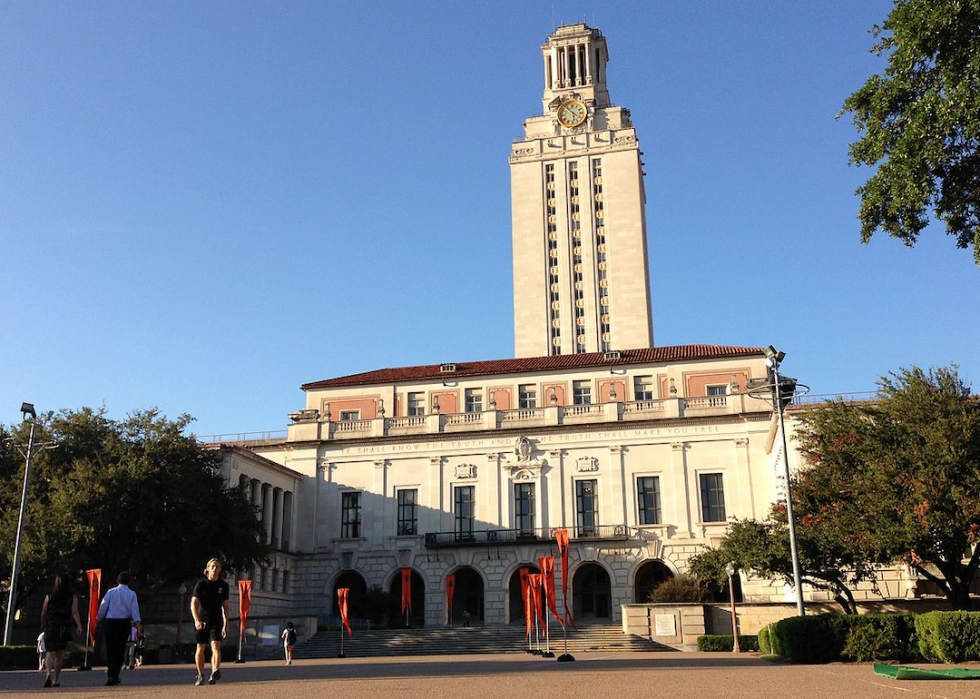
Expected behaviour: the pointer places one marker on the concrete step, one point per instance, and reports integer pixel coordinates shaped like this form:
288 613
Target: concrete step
475 640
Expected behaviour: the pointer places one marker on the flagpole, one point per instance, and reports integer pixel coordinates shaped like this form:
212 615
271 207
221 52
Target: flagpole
341 640
85 667
547 637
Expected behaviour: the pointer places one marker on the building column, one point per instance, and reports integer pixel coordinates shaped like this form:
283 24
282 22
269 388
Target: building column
267 508
287 521
680 476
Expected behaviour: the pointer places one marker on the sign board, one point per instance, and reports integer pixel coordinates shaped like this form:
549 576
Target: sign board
666 625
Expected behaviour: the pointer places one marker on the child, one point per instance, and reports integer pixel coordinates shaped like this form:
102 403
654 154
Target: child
289 641
41 652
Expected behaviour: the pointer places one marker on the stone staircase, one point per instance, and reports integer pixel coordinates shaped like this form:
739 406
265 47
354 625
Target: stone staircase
594 638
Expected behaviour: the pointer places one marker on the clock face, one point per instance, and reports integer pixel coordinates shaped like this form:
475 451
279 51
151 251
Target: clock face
571 113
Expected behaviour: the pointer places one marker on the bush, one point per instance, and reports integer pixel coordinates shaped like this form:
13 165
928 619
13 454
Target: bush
809 639
949 637
880 637
18 657
683 588
725 643
765 646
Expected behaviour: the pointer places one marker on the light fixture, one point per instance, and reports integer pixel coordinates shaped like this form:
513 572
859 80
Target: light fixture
28 409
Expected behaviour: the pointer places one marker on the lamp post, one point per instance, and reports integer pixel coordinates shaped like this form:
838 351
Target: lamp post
730 569
773 359
26 409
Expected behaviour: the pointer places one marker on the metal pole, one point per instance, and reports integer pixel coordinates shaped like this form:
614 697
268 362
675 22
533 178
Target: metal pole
731 594
15 572
794 549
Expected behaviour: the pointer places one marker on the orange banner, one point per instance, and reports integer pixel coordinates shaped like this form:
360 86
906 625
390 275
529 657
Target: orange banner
244 602
547 564
534 584
342 604
94 585
450 588
561 539
406 589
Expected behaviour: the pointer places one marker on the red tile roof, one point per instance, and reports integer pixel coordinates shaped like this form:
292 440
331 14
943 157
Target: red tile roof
532 364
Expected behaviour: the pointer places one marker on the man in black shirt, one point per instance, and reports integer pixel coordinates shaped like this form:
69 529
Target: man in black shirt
209 605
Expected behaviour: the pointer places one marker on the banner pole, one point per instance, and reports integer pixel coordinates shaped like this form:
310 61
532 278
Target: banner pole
88 638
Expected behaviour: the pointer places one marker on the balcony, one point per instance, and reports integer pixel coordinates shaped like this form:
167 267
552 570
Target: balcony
309 426
504 537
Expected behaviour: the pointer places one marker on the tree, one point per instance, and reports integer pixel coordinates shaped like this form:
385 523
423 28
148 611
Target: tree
827 560
921 123
135 494
899 477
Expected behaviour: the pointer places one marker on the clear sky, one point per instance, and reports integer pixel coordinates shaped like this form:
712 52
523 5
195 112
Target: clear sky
204 205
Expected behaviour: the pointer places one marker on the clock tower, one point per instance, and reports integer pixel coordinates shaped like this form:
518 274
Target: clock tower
579 229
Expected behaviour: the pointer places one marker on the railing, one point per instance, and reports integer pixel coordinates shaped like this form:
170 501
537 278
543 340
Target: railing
586 409
404 422
242 437
463 418
521 414
498 537
352 426
645 406
706 402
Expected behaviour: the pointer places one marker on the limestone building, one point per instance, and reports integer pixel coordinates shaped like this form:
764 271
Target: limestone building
466 468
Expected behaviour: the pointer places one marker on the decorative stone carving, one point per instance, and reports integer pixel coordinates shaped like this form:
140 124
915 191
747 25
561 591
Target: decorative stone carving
310 415
523 449
525 468
587 463
524 474
465 471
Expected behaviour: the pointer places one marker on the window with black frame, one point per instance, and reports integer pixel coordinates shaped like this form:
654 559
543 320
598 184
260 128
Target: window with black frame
464 497
587 507
350 515
524 509
712 497
648 499
408 522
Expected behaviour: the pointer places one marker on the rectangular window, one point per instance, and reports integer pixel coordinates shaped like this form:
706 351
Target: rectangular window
648 499
349 415
524 508
712 497
416 403
408 522
474 400
581 392
642 388
716 395
527 395
350 515
464 506
586 507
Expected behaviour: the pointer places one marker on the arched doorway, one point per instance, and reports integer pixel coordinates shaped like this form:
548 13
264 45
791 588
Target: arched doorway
355 598
417 616
515 607
591 594
468 596
648 577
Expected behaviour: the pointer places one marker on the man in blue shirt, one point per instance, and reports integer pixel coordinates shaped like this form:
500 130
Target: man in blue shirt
118 613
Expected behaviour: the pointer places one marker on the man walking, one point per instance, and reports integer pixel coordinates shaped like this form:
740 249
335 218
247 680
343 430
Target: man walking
117 614
209 605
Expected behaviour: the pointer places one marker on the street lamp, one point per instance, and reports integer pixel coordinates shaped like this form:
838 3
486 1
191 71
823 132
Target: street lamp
26 409
730 569
773 360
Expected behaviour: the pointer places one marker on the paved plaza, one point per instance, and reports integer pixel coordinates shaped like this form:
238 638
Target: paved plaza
595 675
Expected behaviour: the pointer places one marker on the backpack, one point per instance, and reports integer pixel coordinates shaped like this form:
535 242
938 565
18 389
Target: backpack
290 637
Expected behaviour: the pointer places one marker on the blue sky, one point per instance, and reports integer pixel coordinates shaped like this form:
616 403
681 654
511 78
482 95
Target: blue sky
204 205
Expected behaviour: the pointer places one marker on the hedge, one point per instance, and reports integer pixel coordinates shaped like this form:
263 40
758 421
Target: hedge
949 637
725 643
18 657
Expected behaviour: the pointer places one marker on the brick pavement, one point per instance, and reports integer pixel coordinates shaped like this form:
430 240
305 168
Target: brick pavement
595 675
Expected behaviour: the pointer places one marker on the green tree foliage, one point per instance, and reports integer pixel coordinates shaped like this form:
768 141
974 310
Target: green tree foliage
920 123
899 478
136 494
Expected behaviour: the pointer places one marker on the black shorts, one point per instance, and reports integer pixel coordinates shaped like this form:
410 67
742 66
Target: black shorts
209 634
58 636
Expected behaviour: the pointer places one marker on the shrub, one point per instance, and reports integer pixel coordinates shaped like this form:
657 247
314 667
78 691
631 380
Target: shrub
683 588
809 639
880 637
949 637
18 657
765 645
725 643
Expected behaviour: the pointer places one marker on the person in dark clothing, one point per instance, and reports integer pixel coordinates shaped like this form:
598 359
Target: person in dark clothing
210 607
60 608
118 613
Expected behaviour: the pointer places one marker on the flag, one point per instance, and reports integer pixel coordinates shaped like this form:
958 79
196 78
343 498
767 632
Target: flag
561 539
244 602
526 596
406 589
450 588
94 583
342 603
534 584
547 564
